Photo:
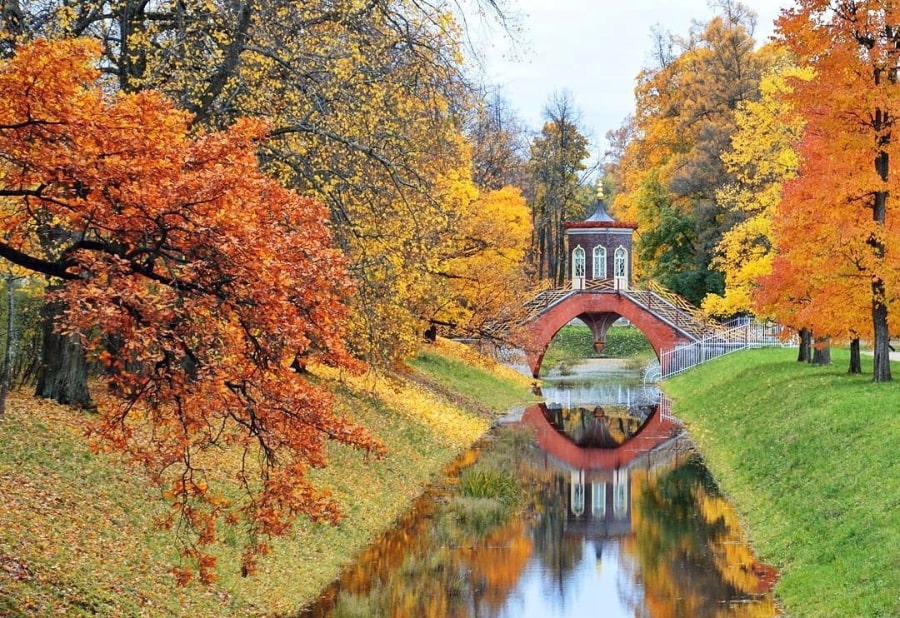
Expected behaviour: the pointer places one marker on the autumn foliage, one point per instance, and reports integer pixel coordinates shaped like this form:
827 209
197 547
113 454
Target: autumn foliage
201 285
835 228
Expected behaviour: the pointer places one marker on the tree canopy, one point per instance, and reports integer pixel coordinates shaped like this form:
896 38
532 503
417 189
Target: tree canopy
844 195
198 282
365 103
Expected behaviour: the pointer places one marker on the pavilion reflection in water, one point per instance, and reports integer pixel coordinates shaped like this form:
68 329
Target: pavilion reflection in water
598 449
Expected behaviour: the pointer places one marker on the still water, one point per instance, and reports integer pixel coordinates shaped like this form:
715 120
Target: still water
598 506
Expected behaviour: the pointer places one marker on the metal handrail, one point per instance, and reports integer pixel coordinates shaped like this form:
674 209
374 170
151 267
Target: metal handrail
679 359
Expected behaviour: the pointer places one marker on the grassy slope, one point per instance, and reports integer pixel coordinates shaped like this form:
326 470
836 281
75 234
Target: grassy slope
809 457
76 532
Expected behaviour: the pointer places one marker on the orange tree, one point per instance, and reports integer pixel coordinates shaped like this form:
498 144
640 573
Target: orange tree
364 100
850 108
816 280
200 283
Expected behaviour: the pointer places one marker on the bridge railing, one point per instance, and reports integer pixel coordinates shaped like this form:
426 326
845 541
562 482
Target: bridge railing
743 337
681 315
675 300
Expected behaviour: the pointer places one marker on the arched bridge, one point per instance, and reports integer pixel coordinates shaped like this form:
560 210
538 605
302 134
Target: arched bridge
665 319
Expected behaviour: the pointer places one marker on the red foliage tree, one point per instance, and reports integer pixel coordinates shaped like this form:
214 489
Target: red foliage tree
197 281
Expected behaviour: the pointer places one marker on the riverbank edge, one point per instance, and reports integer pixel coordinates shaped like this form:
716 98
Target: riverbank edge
76 529
805 455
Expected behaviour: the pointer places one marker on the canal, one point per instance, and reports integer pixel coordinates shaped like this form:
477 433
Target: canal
593 503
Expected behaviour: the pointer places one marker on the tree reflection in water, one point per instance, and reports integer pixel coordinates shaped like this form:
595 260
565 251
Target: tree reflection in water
650 538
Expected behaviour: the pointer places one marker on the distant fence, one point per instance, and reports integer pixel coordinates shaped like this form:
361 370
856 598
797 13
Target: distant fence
746 334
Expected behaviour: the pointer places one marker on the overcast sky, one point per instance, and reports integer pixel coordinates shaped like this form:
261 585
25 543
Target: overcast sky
593 49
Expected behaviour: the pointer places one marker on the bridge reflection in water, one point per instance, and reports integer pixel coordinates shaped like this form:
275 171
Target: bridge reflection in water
640 510
597 448
617 517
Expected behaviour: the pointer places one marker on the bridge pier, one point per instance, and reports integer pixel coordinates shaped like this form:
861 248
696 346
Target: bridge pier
599 324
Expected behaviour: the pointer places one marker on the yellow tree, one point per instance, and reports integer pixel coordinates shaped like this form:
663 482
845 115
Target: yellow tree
762 157
482 279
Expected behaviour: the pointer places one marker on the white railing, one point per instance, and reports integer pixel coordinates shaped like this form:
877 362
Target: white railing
744 337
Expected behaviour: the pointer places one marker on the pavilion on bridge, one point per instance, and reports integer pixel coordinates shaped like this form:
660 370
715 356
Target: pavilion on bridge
600 249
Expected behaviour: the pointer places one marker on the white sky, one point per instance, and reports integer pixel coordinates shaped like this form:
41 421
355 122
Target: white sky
594 50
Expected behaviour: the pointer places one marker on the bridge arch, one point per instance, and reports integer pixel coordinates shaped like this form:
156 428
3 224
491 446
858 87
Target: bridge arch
598 311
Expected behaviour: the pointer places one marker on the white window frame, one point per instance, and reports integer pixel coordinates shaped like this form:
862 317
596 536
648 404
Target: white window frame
620 268
599 271
578 267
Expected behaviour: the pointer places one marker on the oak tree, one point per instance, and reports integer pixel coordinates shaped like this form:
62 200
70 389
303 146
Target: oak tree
198 282
364 100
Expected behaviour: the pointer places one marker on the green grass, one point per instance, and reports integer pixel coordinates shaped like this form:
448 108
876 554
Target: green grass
481 388
77 535
575 341
809 457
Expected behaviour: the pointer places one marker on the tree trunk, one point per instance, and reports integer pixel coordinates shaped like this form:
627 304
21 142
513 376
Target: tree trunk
803 355
62 374
10 337
882 368
855 360
821 352
881 371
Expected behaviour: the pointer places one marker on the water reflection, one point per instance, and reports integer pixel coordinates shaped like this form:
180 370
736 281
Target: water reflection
616 517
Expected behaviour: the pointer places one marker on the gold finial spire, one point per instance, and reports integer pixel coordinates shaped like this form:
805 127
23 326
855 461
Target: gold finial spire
600 190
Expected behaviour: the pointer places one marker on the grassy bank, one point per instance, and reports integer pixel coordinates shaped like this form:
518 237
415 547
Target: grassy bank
76 531
809 457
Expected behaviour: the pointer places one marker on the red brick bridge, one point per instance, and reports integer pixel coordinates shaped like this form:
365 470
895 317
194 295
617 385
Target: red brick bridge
666 320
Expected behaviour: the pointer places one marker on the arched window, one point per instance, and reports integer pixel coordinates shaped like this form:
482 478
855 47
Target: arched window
599 271
578 262
621 263
578 268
